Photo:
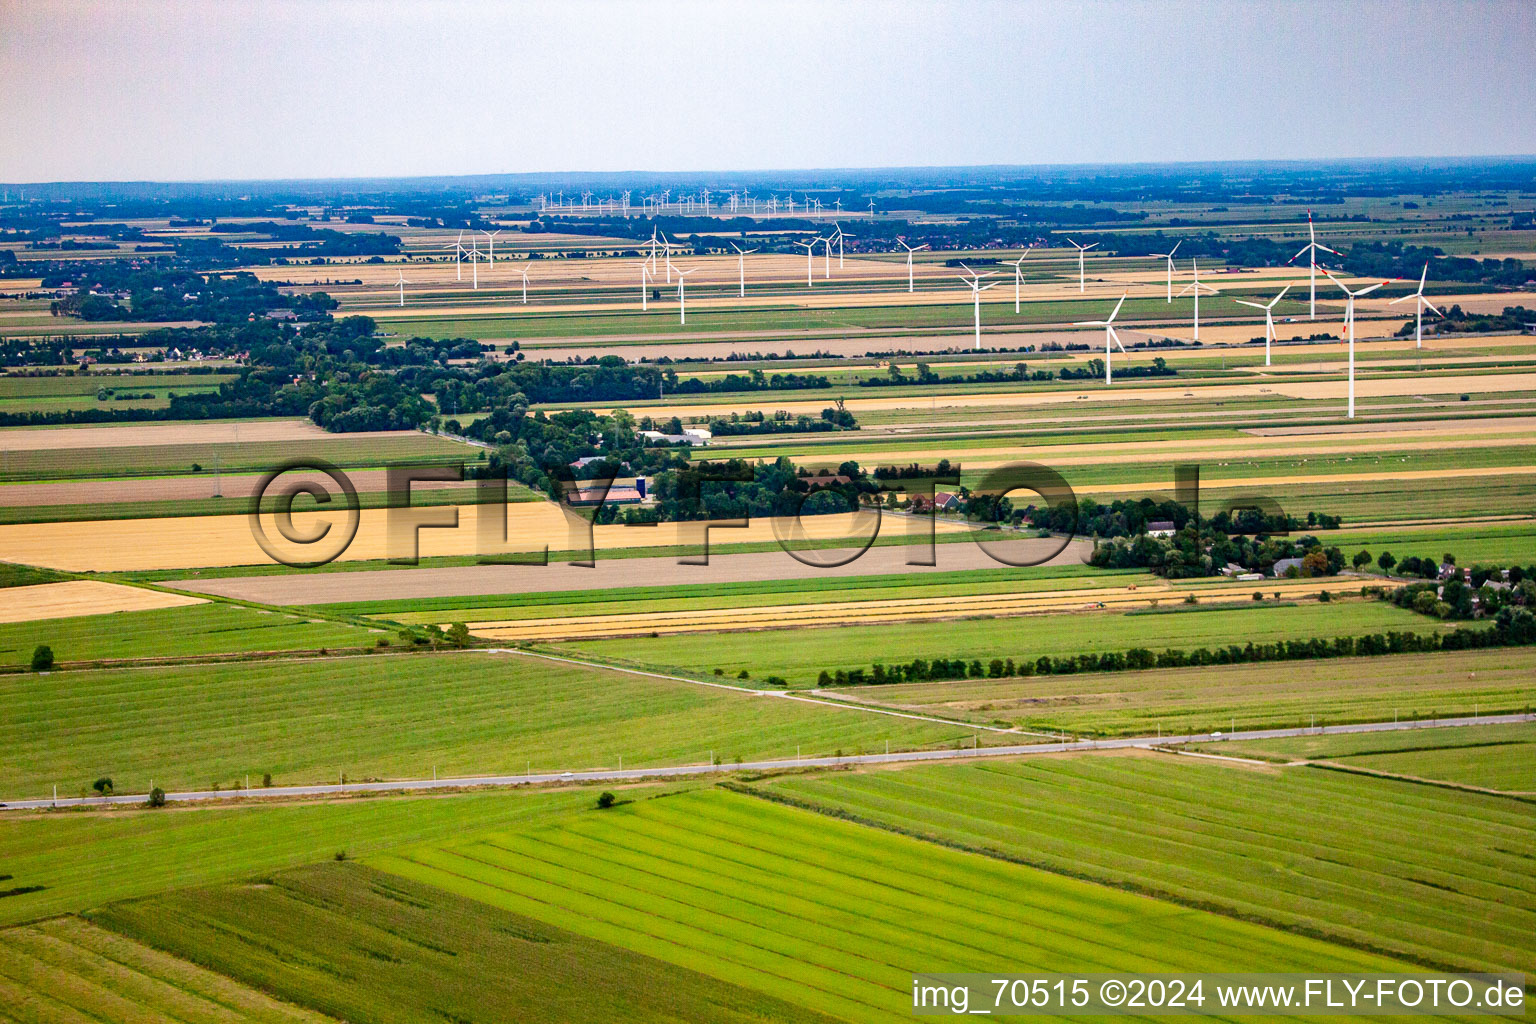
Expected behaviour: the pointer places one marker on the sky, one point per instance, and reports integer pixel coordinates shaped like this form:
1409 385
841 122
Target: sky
180 90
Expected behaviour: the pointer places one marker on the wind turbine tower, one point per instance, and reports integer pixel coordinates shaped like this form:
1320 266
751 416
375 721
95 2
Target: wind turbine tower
1269 318
1419 305
1196 287
1109 335
1080 270
1311 249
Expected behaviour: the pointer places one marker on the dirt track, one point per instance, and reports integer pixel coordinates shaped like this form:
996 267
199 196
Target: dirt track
466 581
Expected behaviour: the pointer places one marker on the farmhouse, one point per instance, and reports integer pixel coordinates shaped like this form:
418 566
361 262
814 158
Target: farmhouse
1160 528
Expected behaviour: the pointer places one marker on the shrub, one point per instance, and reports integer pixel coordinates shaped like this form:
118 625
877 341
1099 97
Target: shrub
1324 596
776 681
42 658
606 800
743 674
1191 599
341 855
266 780
156 798
719 671
103 786
1258 595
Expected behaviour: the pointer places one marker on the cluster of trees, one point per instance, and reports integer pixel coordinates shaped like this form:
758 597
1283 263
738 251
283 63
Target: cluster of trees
1458 321
1203 551
1512 627
1394 259
112 290
832 418
41 352
925 375
1094 369
1485 594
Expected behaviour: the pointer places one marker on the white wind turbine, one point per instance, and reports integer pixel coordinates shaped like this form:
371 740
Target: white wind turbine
1419 305
1310 250
1269 317
458 256
840 237
682 295
1109 335
644 278
1195 286
1349 326
741 267
1018 277
667 251
1169 257
475 256
827 272
490 241
974 283
526 268
402 282
810 252
1080 272
910 251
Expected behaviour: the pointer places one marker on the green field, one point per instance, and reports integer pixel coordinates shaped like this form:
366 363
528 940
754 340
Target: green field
399 716
832 915
68 970
360 945
123 853
212 628
800 654
1222 697
1423 873
231 456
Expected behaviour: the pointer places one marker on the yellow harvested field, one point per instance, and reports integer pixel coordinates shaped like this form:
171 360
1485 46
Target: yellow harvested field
837 613
1368 387
194 542
1215 479
83 597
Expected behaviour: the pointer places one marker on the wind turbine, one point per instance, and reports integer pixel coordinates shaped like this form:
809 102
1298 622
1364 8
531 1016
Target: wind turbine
1313 247
1269 317
871 209
1080 250
682 296
1195 286
840 237
526 268
1109 334
490 239
741 266
667 250
644 276
1169 257
976 289
458 256
475 256
910 251
1349 326
1418 307
827 271
1018 277
402 282
810 250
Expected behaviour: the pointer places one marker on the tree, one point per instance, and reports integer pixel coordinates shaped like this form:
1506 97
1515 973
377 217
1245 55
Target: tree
458 634
606 800
156 798
42 658
1386 560
1361 559
103 786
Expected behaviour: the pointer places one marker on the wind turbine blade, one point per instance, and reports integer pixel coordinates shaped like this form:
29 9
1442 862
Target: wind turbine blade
1072 243
1423 276
1117 307
1175 248
1431 305
1299 255
1116 336
1093 245
1090 323
1323 247
1367 291
1274 301
1244 302
1405 298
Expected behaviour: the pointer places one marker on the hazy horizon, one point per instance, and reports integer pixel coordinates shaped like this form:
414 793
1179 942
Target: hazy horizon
279 90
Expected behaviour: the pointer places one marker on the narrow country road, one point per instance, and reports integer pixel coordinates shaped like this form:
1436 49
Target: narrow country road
684 771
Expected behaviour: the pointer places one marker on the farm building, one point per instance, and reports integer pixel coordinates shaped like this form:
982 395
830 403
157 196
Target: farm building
1160 528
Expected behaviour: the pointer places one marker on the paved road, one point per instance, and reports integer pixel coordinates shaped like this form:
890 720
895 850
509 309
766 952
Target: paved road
684 771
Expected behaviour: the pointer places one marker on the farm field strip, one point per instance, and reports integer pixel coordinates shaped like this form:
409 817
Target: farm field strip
402 716
1025 637
1436 876
531 527
1339 747
1404 687
67 969
778 899
73 598
830 613
317 936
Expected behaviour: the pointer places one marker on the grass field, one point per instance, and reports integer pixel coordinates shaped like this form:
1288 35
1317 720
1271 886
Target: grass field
800 655
361 945
832 915
1424 873
1222 697
214 628
69 970
400 717
125 853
